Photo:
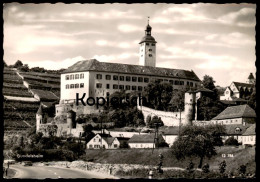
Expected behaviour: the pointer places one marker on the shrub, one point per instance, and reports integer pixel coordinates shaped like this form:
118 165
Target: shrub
190 167
205 168
231 141
242 170
222 167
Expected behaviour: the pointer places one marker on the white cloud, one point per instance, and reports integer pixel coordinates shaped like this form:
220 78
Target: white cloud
26 39
101 42
126 28
104 58
233 17
54 65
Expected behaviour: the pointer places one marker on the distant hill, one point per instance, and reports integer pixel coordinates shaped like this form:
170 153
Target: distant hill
23 93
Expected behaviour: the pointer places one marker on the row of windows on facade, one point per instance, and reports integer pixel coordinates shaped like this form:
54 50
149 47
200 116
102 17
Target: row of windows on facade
76 76
98 146
121 87
141 79
129 78
227 121
123 78
77 85
99 85
248 140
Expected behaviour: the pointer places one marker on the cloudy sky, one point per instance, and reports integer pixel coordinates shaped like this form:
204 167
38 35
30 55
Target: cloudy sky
217 40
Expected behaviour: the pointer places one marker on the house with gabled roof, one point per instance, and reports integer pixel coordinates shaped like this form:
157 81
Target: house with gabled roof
144 141
239 90
105 141
241 114
236 131
249 136
170 135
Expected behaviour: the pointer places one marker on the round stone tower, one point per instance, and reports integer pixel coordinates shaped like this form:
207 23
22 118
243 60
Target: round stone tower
71 120
189 107
39 116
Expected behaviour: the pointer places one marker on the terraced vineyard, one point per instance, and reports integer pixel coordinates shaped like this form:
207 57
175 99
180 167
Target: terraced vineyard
13 85
19 115
19 111
43 81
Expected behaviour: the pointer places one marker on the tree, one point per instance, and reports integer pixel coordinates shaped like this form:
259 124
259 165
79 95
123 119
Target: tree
177 100
208 82
52 130
208 108
216 131
194 141
24 68
154 120
18 64
118 117
158 95
38 69
231 141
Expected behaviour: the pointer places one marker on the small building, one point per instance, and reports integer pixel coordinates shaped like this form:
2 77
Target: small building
236 131
105 141
170 135
249 136
239 89
144 141
241 114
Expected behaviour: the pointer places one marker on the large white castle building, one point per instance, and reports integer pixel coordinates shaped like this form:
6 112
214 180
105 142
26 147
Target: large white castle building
100 79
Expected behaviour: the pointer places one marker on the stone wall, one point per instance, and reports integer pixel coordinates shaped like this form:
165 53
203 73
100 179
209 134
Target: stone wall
168 118
107 169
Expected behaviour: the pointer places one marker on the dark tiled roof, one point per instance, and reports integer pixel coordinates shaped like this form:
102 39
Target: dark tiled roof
228 102
236 129
203 90
243 111
251 76
239 84
148 38
171 131
141 139
250 130
238 99
94 65
104 135
109 140
40 110
45 95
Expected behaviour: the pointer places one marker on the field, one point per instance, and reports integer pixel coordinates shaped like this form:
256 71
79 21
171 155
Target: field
147 157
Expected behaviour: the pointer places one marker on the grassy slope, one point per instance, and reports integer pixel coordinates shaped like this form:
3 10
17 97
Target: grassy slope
146 157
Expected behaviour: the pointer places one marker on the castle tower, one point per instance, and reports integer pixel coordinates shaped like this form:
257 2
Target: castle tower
71 120
147 53
190 98
39 116
251 79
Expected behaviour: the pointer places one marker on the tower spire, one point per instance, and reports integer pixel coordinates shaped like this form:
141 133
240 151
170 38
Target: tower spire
148 18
